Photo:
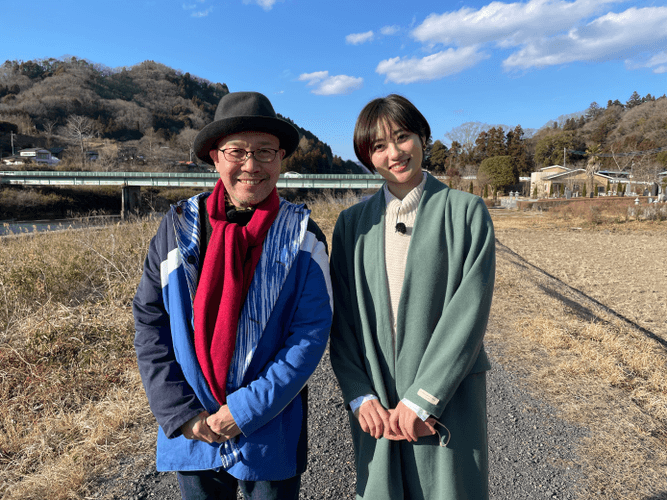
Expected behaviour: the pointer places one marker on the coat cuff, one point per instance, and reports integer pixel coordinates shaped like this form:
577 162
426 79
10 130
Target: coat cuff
357 402
421 412
421 398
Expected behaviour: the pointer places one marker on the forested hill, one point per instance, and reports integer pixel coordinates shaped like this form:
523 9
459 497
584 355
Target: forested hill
141 110
626 136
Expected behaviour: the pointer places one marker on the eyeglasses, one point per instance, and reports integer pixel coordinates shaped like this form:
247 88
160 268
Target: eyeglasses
238 155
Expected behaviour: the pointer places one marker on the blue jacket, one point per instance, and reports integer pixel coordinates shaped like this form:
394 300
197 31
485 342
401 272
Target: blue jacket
269 408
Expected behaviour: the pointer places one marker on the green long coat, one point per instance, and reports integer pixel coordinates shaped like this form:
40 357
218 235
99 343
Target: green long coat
439 361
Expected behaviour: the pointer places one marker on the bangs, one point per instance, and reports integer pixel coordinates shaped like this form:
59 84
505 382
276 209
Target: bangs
377 114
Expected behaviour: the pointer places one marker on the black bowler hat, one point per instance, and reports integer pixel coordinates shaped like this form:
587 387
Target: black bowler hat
245 112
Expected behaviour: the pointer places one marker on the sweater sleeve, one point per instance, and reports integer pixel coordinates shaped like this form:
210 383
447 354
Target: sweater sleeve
170 397
346 349
456 341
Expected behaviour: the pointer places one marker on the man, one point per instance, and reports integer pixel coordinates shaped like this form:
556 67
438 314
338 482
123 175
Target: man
232 316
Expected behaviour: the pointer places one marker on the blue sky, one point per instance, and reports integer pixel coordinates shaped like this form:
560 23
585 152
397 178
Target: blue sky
320 62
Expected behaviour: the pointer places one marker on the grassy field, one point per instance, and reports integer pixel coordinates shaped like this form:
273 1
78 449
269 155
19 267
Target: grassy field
579 311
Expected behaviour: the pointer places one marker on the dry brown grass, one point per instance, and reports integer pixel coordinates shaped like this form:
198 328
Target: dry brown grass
577 310
72 401
325 209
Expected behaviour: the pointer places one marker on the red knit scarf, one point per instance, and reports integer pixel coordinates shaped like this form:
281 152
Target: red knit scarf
229 264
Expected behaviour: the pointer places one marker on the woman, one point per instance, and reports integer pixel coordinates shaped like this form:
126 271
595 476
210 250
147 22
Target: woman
412 271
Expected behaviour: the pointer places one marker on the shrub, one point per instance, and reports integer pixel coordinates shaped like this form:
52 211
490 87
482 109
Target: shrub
501 170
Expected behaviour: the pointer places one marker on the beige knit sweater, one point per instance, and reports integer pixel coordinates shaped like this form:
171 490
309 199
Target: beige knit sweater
396 244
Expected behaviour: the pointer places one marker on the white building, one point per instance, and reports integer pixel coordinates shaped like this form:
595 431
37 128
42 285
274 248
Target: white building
39 156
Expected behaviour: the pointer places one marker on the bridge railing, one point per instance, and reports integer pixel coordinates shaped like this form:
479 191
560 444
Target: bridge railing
185 179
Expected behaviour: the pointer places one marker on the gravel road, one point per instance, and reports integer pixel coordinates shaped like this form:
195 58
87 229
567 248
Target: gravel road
531 452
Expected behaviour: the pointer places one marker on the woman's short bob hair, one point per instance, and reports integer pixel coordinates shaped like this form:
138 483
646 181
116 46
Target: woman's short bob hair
393 108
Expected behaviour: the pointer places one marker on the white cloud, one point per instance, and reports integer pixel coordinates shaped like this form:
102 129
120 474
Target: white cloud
432 67
660 58
199 13
507 24
621 35
390 30
264 4
313 78
331 85
357 38
657 63
540 32
202 13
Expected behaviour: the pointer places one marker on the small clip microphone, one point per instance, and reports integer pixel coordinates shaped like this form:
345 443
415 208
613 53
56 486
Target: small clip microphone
400 227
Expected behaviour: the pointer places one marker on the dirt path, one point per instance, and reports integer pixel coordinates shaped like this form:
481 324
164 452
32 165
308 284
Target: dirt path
531 451
589 276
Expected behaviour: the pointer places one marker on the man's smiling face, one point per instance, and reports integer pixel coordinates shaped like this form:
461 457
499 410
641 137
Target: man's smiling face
248 182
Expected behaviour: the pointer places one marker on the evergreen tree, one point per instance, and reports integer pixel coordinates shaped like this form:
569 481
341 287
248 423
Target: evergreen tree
593 111
635 100
549 149
438 157
516 148
486 190
583 190
480 151
501 171
455 152
496 145
471 188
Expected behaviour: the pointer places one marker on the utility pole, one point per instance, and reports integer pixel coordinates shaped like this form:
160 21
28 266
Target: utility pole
11 136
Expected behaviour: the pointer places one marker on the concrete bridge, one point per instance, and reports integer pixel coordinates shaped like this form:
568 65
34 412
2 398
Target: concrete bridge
132 182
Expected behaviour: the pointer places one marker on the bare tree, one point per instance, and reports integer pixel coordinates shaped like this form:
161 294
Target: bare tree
150 140
49 130
186 139
108 158
647 171
466 134
632 161
22 121
80 128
